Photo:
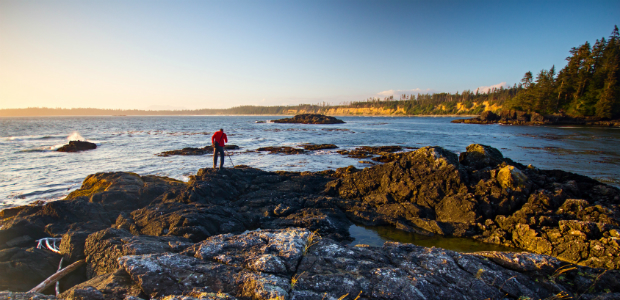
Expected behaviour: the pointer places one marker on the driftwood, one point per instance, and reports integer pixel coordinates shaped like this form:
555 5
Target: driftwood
58 282
57 276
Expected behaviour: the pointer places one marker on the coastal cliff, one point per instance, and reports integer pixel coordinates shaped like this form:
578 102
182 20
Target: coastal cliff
245 233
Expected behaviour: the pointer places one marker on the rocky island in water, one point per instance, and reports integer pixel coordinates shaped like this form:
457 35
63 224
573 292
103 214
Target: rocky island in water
244 233
310 119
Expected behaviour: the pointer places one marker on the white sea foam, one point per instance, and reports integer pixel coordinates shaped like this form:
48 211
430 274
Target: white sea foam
55 147
75 136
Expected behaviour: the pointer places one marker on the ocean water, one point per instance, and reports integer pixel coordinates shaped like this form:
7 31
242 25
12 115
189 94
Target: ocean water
31 169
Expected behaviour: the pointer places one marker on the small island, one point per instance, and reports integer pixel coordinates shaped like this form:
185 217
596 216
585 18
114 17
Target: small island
310 119
76 146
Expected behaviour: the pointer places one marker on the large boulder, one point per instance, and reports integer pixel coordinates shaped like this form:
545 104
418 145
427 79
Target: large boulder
480 156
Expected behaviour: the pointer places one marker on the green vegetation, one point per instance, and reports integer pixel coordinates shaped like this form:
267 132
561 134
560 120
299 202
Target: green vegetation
587 87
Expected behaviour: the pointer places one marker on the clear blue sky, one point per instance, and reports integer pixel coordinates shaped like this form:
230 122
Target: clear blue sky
217 54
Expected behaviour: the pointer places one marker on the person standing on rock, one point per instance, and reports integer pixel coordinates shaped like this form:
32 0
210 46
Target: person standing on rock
218 140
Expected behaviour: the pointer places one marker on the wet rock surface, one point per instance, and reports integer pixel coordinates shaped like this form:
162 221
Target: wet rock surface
292 150
314 147
250 234
195 151
310 119
281 150
76 146
515 117
382 154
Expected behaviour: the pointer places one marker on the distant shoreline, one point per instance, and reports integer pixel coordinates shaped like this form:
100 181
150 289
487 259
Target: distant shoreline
235 115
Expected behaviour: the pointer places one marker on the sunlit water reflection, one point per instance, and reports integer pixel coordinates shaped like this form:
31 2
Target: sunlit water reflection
377 235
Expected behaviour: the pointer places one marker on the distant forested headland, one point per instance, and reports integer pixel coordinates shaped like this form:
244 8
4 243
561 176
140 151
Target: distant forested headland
587 86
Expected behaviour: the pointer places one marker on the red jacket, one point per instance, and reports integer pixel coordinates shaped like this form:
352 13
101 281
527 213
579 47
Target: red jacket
220 138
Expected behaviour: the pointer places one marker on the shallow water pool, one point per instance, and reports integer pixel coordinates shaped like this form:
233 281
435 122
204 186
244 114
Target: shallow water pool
377 235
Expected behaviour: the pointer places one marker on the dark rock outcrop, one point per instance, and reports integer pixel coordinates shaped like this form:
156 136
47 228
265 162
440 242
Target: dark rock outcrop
76 146
313 147
194 221
24 268
282 150
385 153
195 151
310 119
490 198
515 117
93 207
114 285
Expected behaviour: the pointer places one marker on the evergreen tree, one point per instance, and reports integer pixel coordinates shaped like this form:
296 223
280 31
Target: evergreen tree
607 106
527 79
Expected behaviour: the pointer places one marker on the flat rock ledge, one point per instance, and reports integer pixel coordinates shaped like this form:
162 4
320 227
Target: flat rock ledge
295 263
76 146
154 237
310 119
292 150
195 151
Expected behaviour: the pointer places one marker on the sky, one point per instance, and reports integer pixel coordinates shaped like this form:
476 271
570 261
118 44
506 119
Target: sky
217 54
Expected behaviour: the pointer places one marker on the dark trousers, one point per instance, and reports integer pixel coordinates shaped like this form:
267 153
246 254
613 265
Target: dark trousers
217 149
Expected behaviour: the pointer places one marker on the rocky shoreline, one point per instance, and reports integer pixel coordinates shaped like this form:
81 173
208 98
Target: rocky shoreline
245 233
515 117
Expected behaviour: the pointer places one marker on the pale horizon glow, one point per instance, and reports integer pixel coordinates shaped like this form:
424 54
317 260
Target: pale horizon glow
160 55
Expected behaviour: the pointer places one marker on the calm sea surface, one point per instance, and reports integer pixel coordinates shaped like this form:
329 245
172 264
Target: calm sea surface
31 170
